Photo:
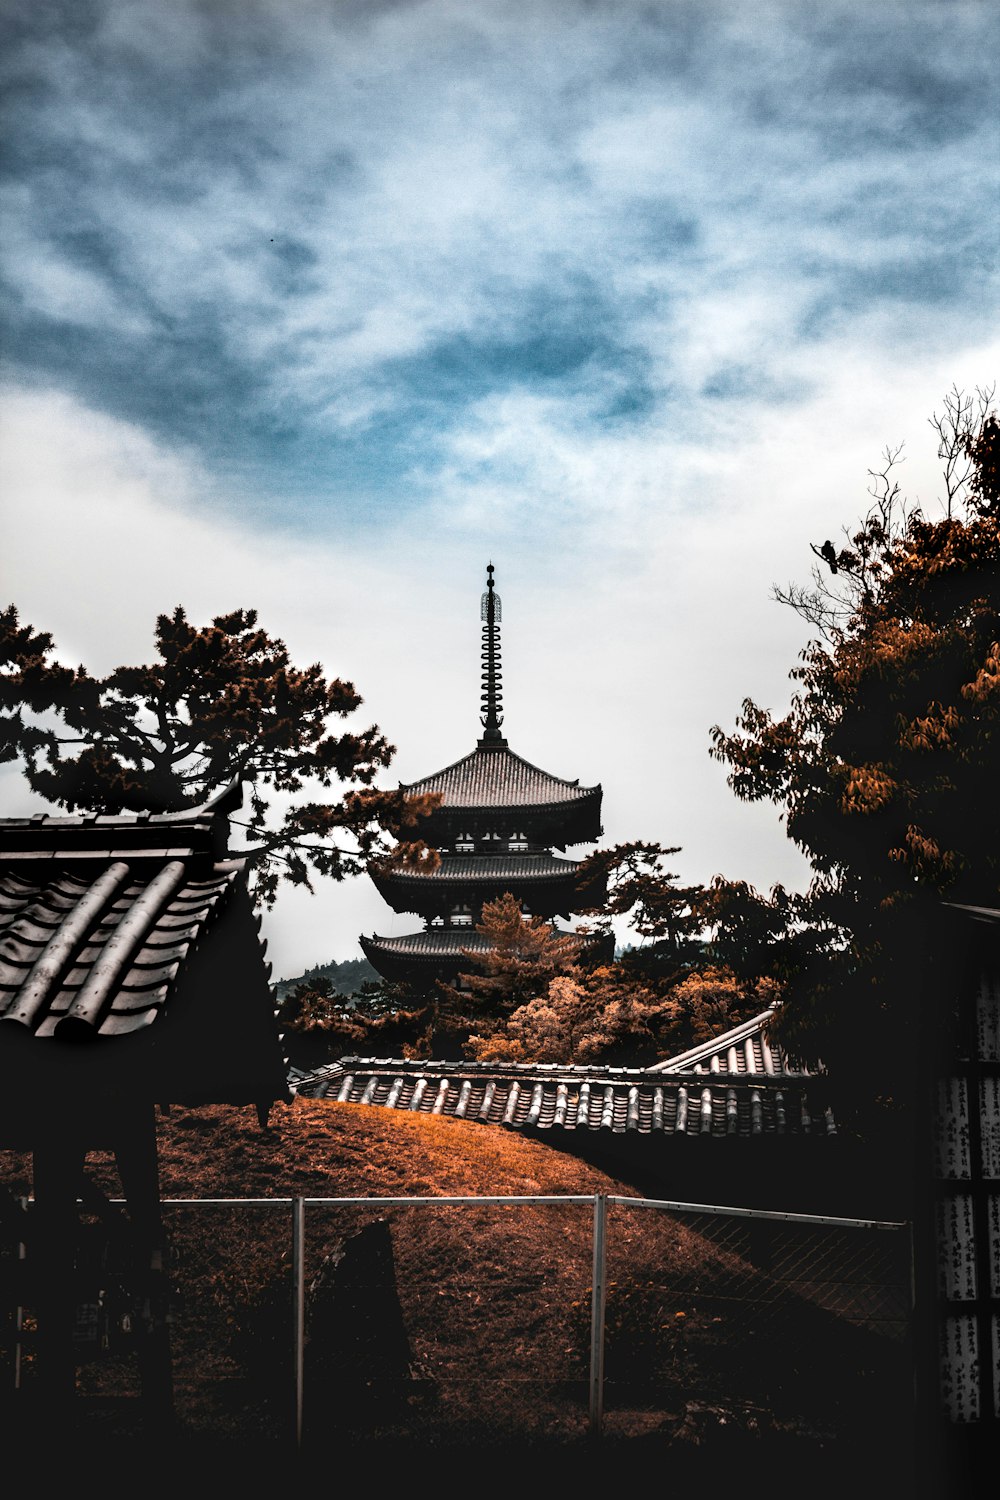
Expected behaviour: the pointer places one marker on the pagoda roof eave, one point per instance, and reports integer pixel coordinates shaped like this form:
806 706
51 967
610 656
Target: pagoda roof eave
563 810
543 881
485 870
435 944
430 946
524 787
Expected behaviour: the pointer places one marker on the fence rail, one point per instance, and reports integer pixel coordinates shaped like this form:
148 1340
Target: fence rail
757 1303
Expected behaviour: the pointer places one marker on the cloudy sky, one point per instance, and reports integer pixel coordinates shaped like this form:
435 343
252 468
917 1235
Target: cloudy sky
317 306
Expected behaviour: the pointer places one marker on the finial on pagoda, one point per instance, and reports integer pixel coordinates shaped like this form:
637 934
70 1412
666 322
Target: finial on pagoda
492 698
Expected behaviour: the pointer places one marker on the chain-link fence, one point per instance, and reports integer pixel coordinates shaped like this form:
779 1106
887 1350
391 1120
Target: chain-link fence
458 1320
761 1323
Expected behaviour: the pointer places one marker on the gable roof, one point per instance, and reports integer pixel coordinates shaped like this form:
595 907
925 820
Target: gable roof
744 1050
133 934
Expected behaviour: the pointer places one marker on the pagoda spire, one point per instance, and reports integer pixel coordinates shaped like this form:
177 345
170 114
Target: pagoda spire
492 697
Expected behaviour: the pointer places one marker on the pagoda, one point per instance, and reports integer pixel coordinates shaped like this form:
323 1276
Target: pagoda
499 820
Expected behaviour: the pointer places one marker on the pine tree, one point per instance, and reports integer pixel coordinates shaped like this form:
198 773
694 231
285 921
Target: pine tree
221 703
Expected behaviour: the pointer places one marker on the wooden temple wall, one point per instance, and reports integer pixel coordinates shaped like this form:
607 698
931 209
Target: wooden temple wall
967 1212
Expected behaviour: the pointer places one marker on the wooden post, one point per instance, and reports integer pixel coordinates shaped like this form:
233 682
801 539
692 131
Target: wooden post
56 1170
135 1153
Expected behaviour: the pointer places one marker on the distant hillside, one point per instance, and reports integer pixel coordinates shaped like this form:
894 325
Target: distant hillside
346 977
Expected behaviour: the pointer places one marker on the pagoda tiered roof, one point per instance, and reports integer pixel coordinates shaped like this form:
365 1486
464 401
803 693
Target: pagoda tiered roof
434 953
489 867
431 943
540 877
438 951
497 821
493 779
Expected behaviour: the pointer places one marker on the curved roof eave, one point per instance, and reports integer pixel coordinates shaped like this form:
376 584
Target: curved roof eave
505 757
530 868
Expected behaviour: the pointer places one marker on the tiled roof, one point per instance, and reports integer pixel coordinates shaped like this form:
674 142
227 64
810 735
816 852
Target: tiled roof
743 1050
555 1097
434 943
494 777
489 868
438 942
134 932
63 838
98 955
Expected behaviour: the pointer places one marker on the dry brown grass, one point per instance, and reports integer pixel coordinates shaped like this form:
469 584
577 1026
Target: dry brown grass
493 1303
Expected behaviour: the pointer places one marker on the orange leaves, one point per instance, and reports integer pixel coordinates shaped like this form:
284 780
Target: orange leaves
986 683
933 731
885 763
711 1000
888 647
416 859
610 1015
868 789
924 857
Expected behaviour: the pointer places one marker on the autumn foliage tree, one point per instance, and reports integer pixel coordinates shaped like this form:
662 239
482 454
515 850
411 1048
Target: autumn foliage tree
581 1017
221 703
608 1015
886 763
547 1000
746 932
520 956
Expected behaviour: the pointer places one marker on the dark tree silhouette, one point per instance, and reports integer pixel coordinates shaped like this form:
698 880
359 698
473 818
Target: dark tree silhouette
221 703
885 765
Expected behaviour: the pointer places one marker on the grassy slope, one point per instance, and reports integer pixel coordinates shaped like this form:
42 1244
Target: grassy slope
494 1302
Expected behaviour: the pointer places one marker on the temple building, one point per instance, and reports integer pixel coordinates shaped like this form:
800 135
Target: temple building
498 823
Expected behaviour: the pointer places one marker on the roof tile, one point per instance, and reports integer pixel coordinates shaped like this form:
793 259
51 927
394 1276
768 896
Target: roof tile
552 1097
487 867
495 777
742 1051
101 942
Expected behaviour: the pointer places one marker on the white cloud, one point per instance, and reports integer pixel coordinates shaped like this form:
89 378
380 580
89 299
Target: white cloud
621 649
441 169
688 192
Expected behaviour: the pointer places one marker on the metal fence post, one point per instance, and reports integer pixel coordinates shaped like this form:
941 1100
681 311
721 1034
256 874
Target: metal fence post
22 1251
597 1307
298 1308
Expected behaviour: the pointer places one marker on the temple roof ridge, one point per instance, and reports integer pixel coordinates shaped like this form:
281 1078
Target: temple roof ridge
743 1049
